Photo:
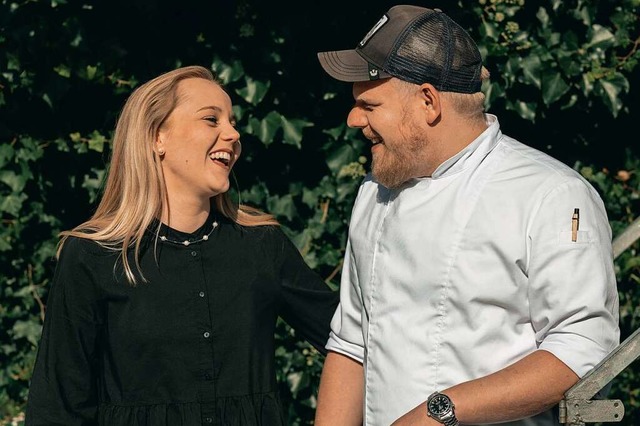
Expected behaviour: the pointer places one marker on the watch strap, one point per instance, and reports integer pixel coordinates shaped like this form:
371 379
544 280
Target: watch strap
449 418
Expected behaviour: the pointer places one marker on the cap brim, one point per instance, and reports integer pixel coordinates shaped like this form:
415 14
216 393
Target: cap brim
348 65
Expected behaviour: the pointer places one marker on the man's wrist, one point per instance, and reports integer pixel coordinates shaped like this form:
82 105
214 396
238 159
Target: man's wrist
441 408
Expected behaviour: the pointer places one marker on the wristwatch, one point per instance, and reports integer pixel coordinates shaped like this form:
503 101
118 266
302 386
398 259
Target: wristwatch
440 408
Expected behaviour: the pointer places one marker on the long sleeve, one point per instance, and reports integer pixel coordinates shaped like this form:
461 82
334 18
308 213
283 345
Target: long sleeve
63 387
308 302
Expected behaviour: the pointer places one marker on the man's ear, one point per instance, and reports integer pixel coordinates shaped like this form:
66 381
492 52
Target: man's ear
432 102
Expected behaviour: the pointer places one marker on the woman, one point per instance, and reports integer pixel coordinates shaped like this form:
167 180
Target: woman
163 305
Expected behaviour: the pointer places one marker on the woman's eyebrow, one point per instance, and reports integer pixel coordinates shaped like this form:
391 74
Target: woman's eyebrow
213 107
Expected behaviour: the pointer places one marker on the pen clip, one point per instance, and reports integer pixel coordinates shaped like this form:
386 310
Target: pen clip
575 224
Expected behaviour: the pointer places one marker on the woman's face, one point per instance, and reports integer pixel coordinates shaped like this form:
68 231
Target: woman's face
199 140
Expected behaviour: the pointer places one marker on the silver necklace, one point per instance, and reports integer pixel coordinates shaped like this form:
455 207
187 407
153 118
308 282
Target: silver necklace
186 243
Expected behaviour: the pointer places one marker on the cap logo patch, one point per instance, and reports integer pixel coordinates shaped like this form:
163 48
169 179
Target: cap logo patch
373 30
374 73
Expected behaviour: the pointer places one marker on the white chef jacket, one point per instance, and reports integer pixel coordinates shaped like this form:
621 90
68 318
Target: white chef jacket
457 275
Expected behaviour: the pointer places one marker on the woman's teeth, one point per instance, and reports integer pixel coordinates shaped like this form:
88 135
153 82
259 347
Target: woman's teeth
222 156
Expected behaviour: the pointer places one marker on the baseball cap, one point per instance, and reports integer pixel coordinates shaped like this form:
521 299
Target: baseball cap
414 44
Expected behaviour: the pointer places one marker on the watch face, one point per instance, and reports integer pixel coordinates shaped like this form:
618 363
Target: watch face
439 404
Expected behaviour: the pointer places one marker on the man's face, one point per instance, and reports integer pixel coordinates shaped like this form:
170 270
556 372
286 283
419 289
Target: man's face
385 113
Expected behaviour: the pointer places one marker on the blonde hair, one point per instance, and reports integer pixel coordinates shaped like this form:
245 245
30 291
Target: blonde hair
472 104
135 194
465 104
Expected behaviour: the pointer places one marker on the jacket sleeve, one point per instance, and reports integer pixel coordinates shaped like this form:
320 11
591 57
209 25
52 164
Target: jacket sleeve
308 303
63 387
573 293
346 328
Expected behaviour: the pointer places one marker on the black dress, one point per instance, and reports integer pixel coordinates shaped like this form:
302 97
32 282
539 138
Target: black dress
193 346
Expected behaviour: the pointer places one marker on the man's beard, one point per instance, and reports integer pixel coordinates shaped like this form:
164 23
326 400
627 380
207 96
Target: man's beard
394 166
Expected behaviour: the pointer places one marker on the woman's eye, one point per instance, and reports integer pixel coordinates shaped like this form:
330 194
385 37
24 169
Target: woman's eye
212 119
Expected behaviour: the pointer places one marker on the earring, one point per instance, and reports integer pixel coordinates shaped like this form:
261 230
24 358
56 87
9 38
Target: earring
161 152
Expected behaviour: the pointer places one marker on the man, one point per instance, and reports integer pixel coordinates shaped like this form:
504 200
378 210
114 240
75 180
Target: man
478 281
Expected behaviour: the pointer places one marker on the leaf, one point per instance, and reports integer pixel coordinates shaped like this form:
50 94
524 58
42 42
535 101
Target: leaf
93 184
543 17
63 71
4 244
254 91
29 150
298 380
583 15
91 72
295 381
47 100
511 70
6 153
488 30
282 206
238 111
266 128
531 70
553 86
14 181
12 204
526 110
96 141
335 132
27 329
610 92
340 156
568 64
293 130
601 37
227 73
586 83
493 91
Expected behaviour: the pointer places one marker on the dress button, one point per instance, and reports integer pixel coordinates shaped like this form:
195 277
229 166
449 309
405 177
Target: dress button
208 420
206 334
201 294
194 253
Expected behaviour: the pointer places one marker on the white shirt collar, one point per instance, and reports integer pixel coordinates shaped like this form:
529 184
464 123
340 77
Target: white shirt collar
472 153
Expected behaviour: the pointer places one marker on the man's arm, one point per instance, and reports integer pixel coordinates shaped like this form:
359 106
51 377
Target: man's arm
530 386
341 392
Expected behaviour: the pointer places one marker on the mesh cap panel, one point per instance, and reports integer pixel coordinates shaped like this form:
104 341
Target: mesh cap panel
436 50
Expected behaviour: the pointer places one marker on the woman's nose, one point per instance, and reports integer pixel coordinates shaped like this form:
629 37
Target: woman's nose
231 133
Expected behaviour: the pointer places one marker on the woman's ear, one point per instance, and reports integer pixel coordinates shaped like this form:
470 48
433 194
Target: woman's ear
432 102
159 148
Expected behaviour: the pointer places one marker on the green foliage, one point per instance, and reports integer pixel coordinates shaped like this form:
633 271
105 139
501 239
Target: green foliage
565 55
564 79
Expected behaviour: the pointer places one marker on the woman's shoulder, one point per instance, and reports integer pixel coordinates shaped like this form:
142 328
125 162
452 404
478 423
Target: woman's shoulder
269 240
80 246
262 233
